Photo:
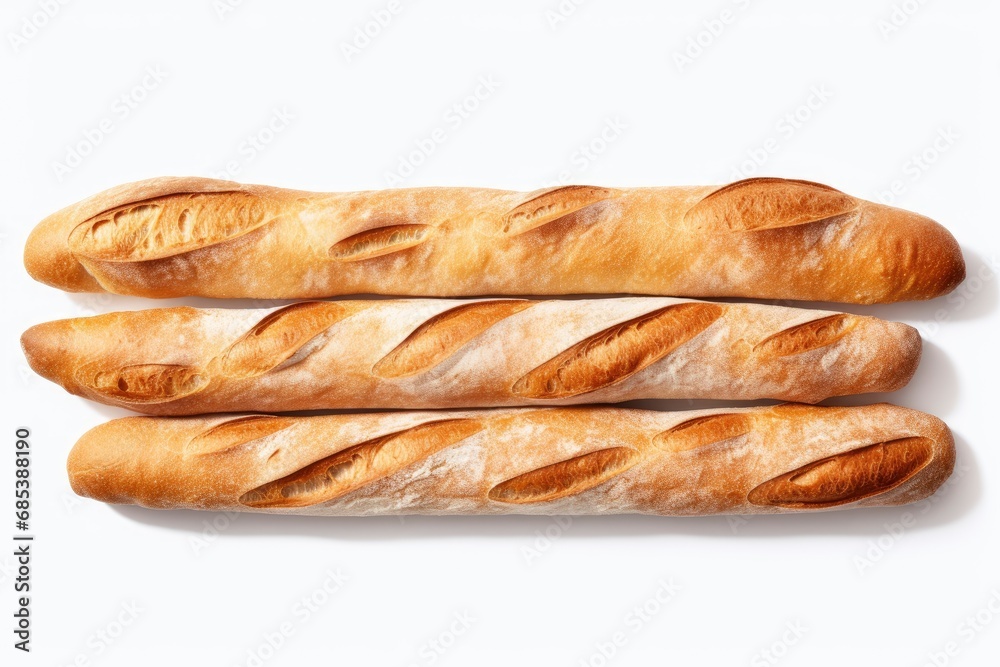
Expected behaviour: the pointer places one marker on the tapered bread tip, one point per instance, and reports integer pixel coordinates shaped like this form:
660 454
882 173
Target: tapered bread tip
47 347
100 465
49 252
945 454
48 259
917 257
898 369
88 461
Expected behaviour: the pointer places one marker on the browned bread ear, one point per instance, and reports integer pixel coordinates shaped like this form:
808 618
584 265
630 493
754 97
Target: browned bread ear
809 336
565 478
442 335
544 206
235 433
142 383
617 353
169 225
769 203
848 477
704 431
48 256
380 241
352 468
275 341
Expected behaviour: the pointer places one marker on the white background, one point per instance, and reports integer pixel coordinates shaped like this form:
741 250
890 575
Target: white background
862 594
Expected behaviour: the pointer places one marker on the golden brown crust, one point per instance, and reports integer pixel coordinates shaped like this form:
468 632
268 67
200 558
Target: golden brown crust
764 238
443 335
351 468
447 354
533 461
769 203
565 478
702 431
617 353
853 475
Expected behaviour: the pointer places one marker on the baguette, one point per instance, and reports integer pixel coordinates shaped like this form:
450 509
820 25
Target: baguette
763 237
485 353
521 461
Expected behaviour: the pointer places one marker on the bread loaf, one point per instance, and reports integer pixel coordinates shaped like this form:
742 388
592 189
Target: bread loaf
446 354
521 461
763 238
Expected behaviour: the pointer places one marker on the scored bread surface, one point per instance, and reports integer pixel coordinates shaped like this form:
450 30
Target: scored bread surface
533 461
422 353
762 237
